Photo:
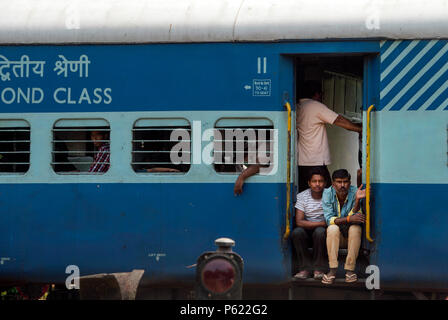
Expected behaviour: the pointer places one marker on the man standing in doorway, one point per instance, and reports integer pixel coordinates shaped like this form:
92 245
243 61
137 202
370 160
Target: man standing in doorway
312 148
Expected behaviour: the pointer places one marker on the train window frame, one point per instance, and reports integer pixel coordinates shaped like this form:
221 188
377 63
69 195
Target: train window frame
15 125
241 123
85 125
144 125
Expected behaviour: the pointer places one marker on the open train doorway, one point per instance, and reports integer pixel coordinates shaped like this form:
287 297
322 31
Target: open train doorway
341 80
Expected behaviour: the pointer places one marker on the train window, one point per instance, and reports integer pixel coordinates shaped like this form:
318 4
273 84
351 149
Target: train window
81 146
161 146
14 146
239 143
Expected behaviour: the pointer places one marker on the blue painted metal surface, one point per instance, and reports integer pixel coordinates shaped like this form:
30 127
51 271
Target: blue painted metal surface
160 77
161 228
411 234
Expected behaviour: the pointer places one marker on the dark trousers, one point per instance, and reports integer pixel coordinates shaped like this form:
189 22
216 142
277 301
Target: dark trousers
311 238
304 176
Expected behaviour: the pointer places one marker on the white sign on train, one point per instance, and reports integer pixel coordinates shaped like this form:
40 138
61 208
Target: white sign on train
261 87
63 67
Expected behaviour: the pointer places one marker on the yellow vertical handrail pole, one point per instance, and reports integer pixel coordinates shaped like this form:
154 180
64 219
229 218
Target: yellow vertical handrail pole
288 176
368 136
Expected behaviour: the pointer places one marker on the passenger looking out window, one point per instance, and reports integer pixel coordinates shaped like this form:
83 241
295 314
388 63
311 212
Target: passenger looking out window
101 161
81 146
244 150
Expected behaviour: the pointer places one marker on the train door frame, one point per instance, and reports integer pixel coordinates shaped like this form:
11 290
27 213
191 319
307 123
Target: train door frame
371 72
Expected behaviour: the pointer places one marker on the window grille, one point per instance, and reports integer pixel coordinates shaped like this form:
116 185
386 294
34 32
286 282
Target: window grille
244 143
161 146
81 146
14 146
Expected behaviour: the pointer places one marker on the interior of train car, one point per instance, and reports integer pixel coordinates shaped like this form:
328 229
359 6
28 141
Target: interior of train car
73 148
14 146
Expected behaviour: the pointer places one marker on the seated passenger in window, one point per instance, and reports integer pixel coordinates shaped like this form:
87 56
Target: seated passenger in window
101 161
311 228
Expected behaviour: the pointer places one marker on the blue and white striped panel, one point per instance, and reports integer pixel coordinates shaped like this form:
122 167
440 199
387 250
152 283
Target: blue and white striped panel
414 75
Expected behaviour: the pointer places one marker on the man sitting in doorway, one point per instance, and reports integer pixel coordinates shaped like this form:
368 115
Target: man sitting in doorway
311 228
341 206
312 148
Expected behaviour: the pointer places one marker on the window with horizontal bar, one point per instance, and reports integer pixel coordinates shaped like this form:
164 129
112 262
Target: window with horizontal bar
239 143
81 146
14 146
161 146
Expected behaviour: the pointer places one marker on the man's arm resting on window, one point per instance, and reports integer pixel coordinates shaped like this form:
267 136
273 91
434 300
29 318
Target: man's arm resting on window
248 172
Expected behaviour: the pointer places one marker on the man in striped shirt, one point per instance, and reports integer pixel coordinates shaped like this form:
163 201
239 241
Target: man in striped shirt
311 228
101 161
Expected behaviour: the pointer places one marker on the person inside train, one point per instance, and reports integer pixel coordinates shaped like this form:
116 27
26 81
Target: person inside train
342 212
101 160
310 230
312 147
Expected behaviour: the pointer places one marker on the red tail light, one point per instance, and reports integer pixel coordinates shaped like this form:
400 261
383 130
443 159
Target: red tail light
218 275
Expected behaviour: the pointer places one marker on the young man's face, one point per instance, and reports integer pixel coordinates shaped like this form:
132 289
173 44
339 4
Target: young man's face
317 183
96 137
341 185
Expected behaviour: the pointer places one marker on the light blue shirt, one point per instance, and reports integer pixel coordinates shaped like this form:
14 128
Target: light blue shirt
331 207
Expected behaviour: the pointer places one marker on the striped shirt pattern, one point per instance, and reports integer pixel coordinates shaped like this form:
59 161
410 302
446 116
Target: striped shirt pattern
310 206
101 160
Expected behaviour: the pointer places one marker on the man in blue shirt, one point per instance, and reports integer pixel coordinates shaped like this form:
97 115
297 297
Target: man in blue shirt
343 216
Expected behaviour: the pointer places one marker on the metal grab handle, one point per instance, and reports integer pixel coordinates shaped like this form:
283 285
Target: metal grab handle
288 174
368 236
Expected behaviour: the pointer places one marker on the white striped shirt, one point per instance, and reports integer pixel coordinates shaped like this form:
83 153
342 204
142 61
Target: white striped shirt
312 207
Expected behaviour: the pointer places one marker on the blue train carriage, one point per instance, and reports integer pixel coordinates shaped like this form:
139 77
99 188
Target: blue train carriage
137 74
